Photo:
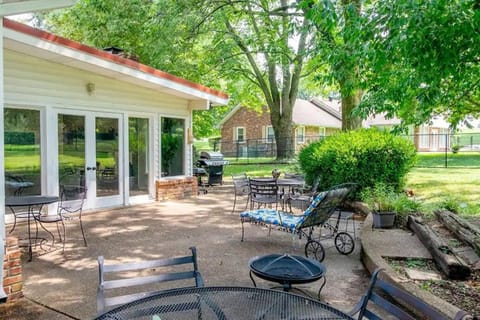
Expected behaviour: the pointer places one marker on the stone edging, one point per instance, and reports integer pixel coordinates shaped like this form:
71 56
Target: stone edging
372 260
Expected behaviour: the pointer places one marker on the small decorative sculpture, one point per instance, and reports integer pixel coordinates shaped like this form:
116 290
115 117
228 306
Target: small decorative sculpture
276 173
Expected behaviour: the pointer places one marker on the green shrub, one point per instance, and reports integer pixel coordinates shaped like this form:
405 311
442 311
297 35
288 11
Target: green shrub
455 148
365 156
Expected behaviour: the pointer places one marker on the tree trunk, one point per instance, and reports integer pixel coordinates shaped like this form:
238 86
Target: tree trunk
350 122
464 230
281 118
453 267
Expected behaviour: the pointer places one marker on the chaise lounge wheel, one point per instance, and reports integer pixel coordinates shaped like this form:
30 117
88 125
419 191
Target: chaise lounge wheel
315 250
344 243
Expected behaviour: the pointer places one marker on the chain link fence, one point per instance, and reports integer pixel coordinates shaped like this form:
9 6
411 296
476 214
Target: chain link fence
434 149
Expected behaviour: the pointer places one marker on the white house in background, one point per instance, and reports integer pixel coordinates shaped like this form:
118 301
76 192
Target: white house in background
76 114
432 136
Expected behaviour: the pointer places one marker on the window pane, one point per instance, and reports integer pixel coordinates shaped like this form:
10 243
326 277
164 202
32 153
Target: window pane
240 134
173 137
106 146
424 137
138 157
22 152
71 149
270 134
300 134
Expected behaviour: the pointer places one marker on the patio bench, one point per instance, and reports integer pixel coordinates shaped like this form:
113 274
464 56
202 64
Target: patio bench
318 213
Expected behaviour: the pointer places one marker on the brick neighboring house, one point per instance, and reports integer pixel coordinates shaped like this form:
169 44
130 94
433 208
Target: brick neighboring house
248 132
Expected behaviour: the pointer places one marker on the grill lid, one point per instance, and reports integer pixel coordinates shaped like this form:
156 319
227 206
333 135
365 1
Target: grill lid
211 155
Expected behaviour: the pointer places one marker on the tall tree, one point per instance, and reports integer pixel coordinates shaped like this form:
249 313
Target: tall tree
262 45
424 59
340 51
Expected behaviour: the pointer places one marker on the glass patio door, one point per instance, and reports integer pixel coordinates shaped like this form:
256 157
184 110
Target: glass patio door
89 154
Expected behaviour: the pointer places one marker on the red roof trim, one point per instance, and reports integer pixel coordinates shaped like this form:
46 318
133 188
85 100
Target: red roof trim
44 35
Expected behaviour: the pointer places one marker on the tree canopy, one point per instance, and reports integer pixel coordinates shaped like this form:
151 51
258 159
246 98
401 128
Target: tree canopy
423 59
410 59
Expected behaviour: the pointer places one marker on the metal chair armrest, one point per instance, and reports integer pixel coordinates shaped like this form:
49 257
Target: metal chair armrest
199 279
356 308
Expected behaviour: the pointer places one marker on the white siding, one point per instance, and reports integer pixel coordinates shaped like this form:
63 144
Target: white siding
34 82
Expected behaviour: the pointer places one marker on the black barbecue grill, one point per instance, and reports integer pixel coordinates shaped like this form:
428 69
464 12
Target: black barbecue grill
213 163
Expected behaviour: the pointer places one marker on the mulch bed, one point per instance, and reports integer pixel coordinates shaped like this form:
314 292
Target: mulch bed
463 294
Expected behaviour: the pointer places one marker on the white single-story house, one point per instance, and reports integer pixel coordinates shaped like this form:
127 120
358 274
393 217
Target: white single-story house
73 114
76 114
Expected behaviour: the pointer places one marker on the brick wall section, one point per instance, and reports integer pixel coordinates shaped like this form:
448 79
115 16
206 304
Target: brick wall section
176 188
253 121
12 270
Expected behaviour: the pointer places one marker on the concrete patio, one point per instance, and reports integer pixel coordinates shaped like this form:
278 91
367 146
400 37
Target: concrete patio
63 286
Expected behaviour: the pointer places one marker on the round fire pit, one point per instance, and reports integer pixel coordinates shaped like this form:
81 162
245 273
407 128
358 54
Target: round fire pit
286 270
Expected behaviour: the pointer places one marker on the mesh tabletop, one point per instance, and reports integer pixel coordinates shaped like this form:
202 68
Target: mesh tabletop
224 303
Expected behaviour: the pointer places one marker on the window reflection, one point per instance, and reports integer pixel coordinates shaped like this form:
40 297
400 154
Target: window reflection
22 152
173 146
138 130
106 146
71 150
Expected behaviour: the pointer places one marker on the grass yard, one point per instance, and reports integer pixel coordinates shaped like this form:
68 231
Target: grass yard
437 159
433 187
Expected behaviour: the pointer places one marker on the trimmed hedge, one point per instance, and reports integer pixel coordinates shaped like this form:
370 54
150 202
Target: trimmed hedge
22 138
365 156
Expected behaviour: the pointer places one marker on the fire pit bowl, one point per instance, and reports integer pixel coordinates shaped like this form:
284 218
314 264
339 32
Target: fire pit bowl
286 269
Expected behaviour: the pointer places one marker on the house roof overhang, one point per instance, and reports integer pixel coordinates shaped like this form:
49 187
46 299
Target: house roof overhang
11 7
22 38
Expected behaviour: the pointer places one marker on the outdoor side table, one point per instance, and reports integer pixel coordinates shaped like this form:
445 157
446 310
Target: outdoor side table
34 206
287 270
236 303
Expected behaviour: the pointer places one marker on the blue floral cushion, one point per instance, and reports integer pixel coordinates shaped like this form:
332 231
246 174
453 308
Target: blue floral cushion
272 216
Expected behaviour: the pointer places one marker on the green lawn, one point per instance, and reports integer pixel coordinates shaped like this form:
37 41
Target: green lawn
431 186
437 159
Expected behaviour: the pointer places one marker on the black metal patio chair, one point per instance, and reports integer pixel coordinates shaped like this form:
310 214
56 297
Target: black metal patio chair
302 197
70 207
240 188
263 192
389 298
146 273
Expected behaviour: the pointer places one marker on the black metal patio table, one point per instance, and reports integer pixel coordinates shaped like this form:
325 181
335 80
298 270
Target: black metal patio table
286 186
34 206
224 303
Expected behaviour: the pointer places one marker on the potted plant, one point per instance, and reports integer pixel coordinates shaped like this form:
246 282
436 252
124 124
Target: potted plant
386 204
